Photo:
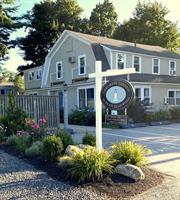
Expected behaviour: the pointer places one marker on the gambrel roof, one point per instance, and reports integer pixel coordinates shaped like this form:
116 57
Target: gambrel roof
127 46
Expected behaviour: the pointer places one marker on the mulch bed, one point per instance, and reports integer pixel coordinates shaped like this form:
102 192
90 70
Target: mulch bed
115 186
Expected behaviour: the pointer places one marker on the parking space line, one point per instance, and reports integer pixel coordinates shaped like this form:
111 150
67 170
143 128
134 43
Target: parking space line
141 139
170 128
150 133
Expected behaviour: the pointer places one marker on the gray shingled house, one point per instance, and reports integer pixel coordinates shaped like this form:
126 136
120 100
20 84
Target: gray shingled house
72 58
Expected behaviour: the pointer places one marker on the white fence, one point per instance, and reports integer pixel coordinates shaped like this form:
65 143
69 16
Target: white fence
35 107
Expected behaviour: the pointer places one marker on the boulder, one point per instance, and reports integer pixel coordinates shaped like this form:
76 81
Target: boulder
130 171
83 146
71 150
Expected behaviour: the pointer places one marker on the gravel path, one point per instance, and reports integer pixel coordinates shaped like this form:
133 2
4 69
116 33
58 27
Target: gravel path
19 180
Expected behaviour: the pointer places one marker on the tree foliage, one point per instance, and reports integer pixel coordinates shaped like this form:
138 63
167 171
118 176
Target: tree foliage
9 76
103 19
8 24
46 22
149 25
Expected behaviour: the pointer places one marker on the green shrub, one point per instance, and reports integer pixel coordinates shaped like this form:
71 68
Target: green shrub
11 140
23 142
66 138
175 113
137 112
130 153
2 138
89 139
35 149
161 115
90 164
52 147
82 117
2 135
15 119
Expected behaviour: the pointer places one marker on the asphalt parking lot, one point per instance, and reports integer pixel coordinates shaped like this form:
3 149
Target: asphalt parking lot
160 139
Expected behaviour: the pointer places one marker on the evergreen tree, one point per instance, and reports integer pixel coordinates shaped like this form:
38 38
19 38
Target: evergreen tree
8 24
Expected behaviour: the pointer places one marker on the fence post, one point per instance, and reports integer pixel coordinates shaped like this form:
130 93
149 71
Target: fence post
58 111
35 109
65 110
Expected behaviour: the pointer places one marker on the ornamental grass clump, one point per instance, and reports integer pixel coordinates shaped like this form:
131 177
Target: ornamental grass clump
90 164
128 152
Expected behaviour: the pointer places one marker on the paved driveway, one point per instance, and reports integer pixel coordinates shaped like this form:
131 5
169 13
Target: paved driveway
163 140
160 139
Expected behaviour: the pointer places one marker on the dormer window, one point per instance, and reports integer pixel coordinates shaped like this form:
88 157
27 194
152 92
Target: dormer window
120 61
137 63
82 64
59 73
31 75
172 68
39 74
156 66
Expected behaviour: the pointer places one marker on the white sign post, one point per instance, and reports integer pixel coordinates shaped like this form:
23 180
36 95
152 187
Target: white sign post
98 75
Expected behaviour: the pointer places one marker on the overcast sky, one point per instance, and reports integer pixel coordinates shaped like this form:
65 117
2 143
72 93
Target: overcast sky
124 8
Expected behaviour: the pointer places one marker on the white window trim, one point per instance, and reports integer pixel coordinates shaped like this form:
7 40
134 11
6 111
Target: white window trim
139 62
117 59
170 67
59 62
142 87
37 72
174 90
30 72
159 66
85 87
79 57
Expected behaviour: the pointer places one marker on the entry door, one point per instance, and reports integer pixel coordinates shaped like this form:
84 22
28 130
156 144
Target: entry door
61 107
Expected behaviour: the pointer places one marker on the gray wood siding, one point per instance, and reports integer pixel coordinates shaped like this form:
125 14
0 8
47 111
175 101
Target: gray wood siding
146 63
30 84
71 48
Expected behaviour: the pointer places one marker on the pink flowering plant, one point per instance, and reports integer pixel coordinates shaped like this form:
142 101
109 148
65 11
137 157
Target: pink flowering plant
37 130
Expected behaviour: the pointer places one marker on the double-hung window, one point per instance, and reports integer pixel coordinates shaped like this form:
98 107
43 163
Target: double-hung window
156 66
82 64
59 71
172 68
137 63
174 97
39 74
86 98
31 75
120 61
143 93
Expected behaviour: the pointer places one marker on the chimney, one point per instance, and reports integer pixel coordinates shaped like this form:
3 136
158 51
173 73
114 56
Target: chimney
135 44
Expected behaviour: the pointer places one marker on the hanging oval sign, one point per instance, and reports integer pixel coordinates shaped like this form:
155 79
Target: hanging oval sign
117 95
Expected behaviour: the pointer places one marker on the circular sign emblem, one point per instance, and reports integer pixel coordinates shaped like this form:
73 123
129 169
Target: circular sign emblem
117 94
